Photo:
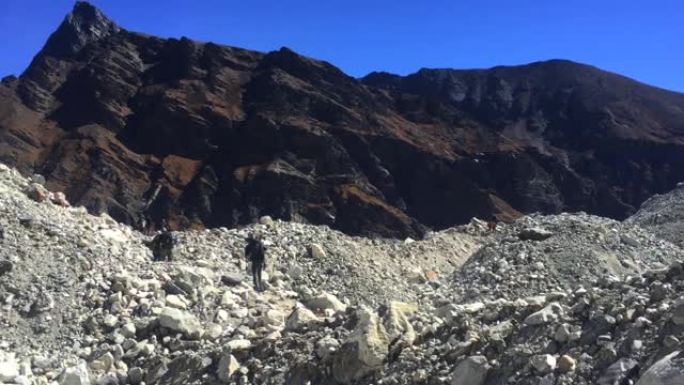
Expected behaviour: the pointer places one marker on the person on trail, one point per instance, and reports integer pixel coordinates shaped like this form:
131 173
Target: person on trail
492 223
255 251
162 244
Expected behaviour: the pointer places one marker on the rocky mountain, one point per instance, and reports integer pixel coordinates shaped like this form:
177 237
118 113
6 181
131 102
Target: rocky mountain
82 303
205 135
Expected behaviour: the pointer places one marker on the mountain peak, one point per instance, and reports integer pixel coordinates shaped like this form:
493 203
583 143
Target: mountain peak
83 25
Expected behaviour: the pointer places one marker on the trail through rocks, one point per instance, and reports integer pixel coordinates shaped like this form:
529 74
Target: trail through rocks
562 299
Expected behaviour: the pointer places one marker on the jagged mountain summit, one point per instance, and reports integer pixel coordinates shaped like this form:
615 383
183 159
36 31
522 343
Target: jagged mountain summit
208 135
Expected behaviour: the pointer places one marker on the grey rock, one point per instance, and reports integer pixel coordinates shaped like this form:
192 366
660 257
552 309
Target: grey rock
678 311
9 367
5 267
75 375
620 371
534 234
471 371
227 366
546 315
181 322
300 319
669 370
543 363
232 279
325 301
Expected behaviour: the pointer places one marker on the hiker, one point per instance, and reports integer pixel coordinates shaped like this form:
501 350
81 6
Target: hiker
162 244
491 225
256 253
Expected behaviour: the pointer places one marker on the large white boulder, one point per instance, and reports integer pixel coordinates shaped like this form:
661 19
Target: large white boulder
325 301
364 351
301 318
180 321
397 324
227 366
9 368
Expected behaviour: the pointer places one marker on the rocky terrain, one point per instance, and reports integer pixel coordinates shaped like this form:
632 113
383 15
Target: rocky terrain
663 214
205 135
560 299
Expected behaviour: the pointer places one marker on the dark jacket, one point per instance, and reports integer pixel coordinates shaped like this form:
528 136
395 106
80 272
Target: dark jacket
255 251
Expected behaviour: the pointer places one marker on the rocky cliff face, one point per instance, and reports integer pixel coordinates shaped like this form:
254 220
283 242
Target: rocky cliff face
206 135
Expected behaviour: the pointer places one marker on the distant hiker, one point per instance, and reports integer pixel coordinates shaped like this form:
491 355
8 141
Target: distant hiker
255 251
491 225
162 244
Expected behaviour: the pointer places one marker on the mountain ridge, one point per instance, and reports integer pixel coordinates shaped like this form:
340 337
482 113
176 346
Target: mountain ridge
202 134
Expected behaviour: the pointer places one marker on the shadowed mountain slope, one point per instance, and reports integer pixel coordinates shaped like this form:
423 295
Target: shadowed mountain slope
207 135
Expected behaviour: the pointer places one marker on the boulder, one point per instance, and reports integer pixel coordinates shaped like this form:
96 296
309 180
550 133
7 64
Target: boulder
183 370
75 375
669 370
500 331
176 301
534 234
364 351
227 366
5 267
397 324
37 192
620 372
180 321
566 363
59 199
301 318
544 316
326 347
212 332
135 375
103 363
543 363
678 311
325 301
272 317
563 333
471 371
266 220
232 279
239 345
9 368
228 299
316 251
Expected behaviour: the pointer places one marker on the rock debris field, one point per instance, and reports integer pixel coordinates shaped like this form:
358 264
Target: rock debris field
545 300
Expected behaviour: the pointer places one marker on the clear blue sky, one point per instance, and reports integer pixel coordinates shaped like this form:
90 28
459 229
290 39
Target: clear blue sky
641 39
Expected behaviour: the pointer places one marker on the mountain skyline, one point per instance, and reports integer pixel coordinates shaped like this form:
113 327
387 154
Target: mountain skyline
202 135
632 40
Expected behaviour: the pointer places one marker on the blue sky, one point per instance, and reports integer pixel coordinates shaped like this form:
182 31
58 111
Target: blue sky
640 39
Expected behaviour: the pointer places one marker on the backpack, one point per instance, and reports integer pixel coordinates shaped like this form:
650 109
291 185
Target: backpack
255 251
162 245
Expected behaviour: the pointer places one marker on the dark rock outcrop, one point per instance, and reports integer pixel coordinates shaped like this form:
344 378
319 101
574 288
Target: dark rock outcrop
206 135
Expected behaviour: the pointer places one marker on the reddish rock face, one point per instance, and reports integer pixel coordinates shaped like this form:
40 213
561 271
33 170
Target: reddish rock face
205 135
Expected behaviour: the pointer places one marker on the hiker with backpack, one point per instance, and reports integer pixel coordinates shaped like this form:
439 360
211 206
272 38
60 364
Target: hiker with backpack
162 244
255 251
